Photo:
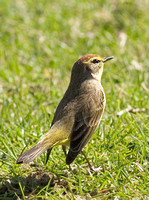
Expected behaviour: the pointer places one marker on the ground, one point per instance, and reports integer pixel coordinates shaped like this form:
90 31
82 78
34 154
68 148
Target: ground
39 42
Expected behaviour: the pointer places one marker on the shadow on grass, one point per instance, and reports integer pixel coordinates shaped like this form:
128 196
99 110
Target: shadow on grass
35 183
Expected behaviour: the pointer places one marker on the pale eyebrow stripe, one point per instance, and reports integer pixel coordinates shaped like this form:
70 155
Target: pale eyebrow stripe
91 59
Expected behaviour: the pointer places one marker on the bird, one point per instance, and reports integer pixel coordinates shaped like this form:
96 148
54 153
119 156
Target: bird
78 114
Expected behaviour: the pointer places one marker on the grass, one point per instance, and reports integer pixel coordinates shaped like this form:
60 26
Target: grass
39 42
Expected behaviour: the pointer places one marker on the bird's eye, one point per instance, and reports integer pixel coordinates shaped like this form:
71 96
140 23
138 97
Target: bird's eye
95 61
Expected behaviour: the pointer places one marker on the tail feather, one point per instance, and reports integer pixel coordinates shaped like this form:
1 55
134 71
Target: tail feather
30 155
46 142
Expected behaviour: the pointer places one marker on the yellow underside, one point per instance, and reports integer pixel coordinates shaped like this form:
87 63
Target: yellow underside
61 137
63 142
56 136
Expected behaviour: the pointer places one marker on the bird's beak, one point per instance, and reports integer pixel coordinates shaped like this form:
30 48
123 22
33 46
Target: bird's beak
105 59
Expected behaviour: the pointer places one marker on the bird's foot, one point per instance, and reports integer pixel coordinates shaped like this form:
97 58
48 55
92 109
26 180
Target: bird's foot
95 170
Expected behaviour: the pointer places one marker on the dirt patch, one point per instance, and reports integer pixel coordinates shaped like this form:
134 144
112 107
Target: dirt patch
31 184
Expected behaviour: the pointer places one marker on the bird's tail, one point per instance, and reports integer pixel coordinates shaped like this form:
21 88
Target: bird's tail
31 154
52 138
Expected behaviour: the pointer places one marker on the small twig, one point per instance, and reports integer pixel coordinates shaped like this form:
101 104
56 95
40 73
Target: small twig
130 109
136 110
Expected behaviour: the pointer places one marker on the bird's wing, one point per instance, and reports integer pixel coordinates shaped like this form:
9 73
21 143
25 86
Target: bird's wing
86 121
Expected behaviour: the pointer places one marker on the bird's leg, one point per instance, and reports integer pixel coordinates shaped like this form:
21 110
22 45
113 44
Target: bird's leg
91 168
64 150
88 162
48 154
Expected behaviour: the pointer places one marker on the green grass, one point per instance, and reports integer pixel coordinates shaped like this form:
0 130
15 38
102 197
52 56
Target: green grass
39 42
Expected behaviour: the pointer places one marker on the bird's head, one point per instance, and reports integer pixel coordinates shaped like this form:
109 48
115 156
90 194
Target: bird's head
90 66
